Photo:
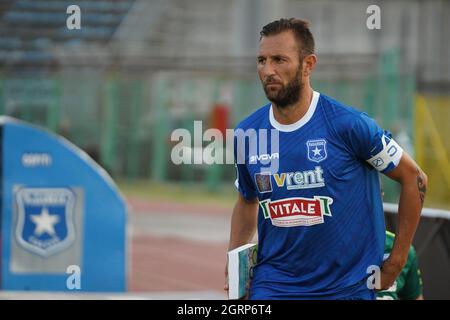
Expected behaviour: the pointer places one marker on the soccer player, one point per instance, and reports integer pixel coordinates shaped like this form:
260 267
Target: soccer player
408 285
317 209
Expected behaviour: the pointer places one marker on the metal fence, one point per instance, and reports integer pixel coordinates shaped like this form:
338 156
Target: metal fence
432 244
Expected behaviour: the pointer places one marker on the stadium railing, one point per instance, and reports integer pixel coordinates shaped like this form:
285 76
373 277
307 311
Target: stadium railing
432 244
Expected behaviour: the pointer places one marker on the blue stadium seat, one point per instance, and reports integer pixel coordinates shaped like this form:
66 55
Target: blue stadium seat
29 27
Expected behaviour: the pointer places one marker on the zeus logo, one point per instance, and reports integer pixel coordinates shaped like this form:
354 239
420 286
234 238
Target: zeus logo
263 157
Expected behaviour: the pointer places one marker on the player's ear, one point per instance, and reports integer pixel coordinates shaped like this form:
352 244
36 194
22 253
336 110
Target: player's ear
309 63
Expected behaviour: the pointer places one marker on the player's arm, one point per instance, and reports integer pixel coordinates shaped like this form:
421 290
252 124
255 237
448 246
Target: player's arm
243 221
245 212
413 182
243 225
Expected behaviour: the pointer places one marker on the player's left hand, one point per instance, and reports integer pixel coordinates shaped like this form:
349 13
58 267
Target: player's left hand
389 272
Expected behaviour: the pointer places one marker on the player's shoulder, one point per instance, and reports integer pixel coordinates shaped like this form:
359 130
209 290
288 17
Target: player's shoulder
255 120
338 110
343 117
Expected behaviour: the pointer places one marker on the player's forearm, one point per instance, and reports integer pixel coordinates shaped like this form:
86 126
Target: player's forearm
411 202
243 223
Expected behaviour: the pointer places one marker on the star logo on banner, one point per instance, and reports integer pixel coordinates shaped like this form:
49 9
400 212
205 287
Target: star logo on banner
45 222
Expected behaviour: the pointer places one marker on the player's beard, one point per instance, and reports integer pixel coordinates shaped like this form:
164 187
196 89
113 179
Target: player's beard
288 94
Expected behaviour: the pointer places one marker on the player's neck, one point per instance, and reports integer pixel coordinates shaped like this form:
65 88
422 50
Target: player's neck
293 113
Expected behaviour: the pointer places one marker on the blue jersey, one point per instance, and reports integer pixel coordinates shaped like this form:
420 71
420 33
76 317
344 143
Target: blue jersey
320 219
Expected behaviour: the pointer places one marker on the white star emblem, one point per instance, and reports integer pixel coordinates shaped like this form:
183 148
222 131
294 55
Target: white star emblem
45 222
316 151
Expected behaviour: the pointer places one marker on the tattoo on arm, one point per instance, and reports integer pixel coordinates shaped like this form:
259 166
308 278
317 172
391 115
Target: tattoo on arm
421 186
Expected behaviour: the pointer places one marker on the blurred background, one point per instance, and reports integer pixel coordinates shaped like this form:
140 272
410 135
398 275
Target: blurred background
138 69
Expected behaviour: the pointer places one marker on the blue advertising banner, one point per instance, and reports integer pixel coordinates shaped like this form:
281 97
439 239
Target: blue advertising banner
61 214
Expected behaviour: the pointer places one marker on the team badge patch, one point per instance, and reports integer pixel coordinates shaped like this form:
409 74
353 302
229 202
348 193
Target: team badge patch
317 150
263 182
45 219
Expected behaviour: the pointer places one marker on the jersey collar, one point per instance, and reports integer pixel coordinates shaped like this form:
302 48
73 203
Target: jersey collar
300 123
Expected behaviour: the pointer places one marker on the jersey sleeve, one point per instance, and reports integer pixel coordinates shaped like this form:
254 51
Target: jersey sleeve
372 144
243 182
413 281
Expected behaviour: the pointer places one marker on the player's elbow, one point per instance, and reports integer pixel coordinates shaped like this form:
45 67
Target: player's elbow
414 175
425 179
421 181
421 178
424 183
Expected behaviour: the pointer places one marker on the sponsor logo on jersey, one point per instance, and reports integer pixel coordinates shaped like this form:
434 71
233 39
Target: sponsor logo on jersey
263 182
263 157
301 179
45 219
316 150
292 212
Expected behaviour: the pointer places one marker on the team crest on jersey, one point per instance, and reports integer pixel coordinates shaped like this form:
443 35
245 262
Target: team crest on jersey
45 219
317 150
292 212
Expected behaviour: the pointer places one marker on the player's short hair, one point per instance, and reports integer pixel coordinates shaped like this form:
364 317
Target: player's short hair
299 27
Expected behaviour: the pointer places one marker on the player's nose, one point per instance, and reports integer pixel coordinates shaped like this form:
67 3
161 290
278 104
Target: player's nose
267 71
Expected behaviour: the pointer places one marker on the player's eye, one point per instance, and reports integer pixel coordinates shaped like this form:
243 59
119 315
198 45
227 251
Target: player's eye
261 60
